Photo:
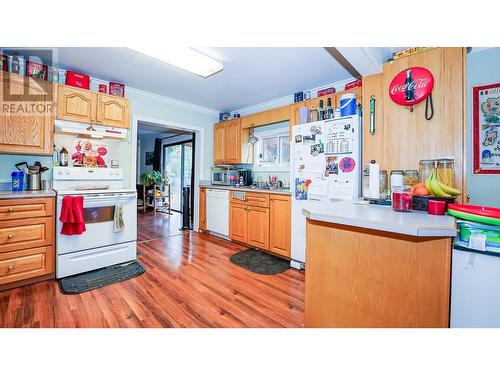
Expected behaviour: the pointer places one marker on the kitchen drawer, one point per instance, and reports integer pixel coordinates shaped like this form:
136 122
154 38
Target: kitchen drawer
26 233
258 200
26 208
26 264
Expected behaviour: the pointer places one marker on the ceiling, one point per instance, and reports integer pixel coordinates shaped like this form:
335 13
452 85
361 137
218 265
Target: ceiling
250 76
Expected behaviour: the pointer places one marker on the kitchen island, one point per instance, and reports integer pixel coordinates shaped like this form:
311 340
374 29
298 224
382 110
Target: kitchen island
368 266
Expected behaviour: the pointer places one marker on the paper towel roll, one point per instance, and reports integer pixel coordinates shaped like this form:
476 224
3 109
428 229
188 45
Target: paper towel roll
374 181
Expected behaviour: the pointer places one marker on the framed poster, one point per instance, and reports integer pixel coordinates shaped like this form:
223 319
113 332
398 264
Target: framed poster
486 129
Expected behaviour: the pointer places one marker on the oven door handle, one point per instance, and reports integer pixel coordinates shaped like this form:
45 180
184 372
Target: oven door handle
100 197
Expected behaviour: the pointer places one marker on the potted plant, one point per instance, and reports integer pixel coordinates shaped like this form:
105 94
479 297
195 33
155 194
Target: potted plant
153 177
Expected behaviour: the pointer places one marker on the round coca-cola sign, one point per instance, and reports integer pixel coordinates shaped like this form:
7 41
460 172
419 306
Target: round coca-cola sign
411 86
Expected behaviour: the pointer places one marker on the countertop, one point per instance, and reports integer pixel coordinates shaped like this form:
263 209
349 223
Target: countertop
248 188
383 218
8 194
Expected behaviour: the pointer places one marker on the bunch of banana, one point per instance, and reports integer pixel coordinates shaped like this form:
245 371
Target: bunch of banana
437 188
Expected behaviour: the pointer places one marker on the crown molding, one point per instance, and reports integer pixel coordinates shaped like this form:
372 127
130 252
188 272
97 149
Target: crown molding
131 91
289 99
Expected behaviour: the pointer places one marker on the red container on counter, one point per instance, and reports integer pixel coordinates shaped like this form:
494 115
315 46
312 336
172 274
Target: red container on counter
37 70
77 79
103 88
401 201
436 207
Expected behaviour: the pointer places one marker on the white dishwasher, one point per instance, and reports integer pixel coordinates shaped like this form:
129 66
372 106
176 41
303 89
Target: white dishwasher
218 211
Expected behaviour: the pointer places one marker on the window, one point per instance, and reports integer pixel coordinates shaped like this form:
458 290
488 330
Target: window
272 151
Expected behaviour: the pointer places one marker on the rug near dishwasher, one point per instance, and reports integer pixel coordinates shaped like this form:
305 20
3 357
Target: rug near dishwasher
87 281
260 262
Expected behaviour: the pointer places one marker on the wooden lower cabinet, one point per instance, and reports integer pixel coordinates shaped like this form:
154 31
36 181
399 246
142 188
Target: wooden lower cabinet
280 224
26 241
258 227
203 209
26 264
263 221
238 222
363 278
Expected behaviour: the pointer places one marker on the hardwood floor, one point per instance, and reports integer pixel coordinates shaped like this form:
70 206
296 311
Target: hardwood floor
189 282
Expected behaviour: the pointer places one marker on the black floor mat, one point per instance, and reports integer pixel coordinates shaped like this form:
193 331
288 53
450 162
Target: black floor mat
260 262
101 277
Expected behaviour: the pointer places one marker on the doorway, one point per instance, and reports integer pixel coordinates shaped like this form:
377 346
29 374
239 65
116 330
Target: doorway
170 154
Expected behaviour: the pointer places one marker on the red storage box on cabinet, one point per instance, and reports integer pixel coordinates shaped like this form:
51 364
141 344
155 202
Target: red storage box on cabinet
76 79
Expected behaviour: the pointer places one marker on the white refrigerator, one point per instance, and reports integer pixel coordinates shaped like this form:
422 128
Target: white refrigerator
325 167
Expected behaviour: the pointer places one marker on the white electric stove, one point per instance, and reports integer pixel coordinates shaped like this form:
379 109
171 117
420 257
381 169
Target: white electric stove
99 246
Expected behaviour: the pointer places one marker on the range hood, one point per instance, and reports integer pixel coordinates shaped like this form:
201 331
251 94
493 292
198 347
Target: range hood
89 130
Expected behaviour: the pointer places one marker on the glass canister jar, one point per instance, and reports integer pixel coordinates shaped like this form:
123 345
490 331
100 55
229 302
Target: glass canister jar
396 179
425 168
384 189
446 171
401 200
410 178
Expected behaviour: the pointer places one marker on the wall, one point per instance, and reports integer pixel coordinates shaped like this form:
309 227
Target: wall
402 138
482 68
147 145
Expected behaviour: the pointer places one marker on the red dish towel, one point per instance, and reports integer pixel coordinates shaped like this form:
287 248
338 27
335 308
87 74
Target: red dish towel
72 215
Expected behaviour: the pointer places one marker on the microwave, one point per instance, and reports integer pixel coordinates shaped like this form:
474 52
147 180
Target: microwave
222 176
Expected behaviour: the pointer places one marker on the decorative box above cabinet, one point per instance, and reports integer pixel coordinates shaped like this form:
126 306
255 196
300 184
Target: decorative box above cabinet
81 105
26 118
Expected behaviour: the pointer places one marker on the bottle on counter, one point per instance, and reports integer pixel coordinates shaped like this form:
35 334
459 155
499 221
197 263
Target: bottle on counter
321 111
55 157
63 157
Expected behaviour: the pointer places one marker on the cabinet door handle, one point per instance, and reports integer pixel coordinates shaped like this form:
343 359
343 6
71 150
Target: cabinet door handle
11 209
11 267
10 235
92 120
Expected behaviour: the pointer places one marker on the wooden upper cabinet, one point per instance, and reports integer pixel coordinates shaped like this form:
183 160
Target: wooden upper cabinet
280 224
258 227
295 112
203 209
220 141
26 127
233 142
113 111
238 222
75 104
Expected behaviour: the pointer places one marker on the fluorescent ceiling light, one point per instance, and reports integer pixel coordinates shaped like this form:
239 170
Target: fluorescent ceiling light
185 58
